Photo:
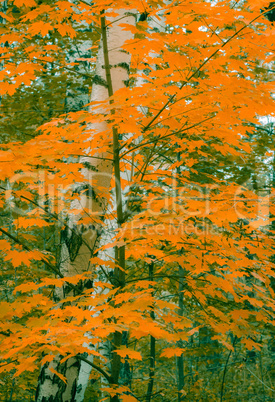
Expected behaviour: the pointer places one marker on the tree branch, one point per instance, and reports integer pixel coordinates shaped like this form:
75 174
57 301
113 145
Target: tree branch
172 97
25 247
96 367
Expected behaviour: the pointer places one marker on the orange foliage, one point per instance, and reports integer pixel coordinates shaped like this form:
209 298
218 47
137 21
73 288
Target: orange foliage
199 98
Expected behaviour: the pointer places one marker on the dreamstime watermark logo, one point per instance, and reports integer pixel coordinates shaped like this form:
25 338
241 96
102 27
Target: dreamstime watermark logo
176 211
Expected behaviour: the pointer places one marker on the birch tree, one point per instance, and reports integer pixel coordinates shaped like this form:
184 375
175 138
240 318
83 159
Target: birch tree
113 64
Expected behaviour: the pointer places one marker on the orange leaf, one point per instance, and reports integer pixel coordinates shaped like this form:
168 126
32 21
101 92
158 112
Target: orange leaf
130 353
171 352
64 379
27 3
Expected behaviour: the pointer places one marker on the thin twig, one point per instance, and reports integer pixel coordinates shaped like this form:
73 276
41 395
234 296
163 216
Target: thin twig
225 369
25 247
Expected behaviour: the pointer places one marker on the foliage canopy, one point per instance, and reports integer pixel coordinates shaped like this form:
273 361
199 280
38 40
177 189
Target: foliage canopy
184 245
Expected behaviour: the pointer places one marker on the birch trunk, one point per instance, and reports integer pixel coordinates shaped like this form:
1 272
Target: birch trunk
77 250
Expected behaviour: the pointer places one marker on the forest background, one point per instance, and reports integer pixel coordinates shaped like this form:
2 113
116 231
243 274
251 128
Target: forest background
136 200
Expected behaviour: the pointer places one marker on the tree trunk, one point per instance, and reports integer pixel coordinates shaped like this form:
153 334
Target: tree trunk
180 359
77 249
152 362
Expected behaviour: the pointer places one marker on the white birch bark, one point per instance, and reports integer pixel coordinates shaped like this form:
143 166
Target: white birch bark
127 176
77 252
77 99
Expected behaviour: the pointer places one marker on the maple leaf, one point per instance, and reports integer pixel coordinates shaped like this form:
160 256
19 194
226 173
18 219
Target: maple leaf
24 222
19 257
27 3
61 376
27 365
130 353
40 28
171 352
127 398
26 287
66 30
